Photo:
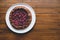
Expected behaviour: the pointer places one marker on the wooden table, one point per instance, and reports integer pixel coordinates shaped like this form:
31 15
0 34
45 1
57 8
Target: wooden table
47 25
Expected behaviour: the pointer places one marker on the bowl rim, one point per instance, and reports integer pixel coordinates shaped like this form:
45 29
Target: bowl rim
30 25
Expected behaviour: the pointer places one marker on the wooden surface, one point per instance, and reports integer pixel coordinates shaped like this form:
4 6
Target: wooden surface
47 25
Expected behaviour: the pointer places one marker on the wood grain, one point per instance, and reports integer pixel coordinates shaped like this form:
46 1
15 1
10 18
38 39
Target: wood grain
47 25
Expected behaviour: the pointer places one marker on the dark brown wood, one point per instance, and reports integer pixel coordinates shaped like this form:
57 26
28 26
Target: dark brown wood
47 25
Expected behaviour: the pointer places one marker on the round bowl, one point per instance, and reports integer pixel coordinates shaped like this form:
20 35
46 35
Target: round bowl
30 25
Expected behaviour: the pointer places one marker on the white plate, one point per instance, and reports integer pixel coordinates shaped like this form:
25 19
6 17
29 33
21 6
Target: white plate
31 24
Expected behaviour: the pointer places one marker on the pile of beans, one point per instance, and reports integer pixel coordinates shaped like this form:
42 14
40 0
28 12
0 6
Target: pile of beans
19 18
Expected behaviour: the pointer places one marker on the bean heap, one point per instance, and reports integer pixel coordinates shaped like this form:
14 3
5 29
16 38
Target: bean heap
19 18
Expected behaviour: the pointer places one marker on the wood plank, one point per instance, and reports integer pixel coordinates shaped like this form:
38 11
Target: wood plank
12 1
2 18
48 21
43 3
47 10
53 1
41 34
40 3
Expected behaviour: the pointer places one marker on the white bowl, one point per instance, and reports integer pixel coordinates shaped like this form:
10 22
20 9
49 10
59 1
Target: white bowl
31 24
